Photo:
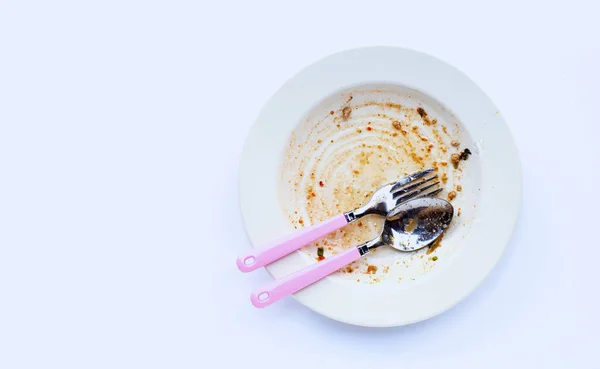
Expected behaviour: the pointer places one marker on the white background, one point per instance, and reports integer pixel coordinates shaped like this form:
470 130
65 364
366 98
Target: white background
121 130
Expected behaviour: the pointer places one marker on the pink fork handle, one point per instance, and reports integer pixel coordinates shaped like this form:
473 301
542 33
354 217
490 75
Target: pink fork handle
278 249
290 284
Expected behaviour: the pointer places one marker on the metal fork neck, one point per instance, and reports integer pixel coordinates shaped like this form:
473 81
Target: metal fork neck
353 215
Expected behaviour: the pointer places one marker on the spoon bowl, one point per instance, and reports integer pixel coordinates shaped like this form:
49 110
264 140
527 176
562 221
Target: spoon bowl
417 223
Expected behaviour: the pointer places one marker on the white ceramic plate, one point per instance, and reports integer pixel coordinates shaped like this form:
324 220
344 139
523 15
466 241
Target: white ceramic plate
418 288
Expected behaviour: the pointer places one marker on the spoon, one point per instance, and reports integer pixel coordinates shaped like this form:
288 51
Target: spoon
412 226
420 184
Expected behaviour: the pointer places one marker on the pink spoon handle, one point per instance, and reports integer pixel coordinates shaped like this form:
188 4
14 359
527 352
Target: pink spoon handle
278 249
290 284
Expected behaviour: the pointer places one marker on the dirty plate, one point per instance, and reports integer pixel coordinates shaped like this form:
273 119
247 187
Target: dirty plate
352 122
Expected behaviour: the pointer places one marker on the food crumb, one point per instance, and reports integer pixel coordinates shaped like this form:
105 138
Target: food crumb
321 183
360 224
355 171
458 188
434 258
349 269
451 195
424 116
465 154
371 269
455 143
396 124
359 130
458 212
301 221
456 158
369 129
445 177
319 141
331 112
320 258
346 112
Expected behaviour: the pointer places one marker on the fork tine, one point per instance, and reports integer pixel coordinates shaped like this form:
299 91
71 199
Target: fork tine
410 178
392 214
412 185
417 193
430 194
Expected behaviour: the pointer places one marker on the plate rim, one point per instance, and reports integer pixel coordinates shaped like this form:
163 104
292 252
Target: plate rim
517 180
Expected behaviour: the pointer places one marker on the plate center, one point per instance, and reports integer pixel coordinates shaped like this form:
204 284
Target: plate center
359 139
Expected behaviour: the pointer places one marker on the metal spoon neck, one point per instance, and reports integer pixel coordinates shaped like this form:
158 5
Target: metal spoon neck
366 247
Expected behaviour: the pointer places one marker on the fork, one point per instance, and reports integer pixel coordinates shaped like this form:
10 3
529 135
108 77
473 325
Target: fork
382 203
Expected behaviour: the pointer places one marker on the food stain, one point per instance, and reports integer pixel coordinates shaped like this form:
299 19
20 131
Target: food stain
437 243
338 166
346 112
409 225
